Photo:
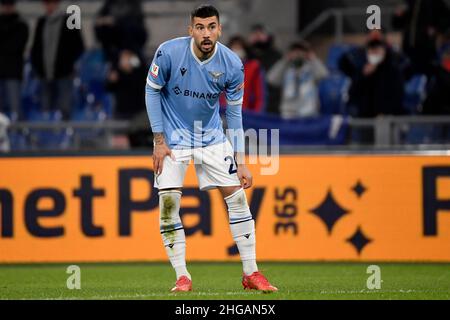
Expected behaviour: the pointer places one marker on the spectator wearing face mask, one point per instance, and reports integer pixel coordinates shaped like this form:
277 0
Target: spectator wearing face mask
262 45
298 74
254 93
377 78
438 100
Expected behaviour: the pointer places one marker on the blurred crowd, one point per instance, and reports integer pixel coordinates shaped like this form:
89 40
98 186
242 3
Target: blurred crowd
286 84
56 50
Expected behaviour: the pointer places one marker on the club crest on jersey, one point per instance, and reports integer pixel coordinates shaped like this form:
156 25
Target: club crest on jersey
216 75
154 70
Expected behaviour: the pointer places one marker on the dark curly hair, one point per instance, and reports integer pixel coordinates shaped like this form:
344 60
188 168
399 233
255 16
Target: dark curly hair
205 11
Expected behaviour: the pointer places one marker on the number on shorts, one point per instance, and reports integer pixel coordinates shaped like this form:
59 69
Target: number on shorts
232 169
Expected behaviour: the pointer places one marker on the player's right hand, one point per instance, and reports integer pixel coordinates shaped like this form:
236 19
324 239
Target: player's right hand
160 151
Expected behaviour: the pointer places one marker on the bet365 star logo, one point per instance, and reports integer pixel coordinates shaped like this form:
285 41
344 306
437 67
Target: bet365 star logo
330 212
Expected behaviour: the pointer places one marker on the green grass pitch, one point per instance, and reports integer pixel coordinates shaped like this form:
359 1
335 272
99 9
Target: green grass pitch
222 281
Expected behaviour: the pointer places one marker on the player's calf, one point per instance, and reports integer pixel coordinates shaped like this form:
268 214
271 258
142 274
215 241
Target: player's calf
242 228
172 231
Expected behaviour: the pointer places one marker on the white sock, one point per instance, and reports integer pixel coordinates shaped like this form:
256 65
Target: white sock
242 228
182 271
177 257
247 247
172 231
249 266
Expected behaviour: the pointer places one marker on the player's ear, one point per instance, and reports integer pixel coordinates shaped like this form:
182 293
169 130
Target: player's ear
190 30
220 30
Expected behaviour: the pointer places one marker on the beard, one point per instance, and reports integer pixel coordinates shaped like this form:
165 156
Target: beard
206 47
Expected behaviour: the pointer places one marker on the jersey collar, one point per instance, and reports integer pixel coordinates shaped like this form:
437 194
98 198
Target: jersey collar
197 59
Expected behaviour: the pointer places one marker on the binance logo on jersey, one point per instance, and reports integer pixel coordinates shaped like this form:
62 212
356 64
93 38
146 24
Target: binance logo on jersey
201 95
176 90
195 94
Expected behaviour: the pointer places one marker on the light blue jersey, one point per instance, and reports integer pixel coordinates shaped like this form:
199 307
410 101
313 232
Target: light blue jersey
189 91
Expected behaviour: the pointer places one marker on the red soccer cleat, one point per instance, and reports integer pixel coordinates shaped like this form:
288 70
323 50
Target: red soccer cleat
257 281
183 284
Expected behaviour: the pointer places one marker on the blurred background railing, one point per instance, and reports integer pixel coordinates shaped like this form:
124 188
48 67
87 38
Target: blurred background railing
338 16
401 133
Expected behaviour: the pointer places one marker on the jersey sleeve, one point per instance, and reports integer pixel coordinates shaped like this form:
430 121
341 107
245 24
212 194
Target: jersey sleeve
234 91
159 72
234 94
157 77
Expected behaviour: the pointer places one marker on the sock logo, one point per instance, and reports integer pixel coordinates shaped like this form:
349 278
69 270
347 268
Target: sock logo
247 235
255 205
171 245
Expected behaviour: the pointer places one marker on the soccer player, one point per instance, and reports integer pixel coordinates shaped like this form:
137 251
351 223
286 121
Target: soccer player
184 82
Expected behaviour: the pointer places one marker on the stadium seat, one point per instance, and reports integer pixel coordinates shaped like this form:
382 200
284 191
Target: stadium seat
427 134
31 98
19 141
90 137
334 54
415 93
90 84
89 113
49 139
322 130
333 93
91 67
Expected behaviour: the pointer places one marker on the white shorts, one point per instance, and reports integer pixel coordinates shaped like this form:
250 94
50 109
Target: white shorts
215 167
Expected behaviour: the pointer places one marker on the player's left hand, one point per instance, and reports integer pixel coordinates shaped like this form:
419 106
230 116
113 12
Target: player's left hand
245 177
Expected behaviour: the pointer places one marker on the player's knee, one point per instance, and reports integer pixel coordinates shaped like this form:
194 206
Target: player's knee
228 191
238 209
169 207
